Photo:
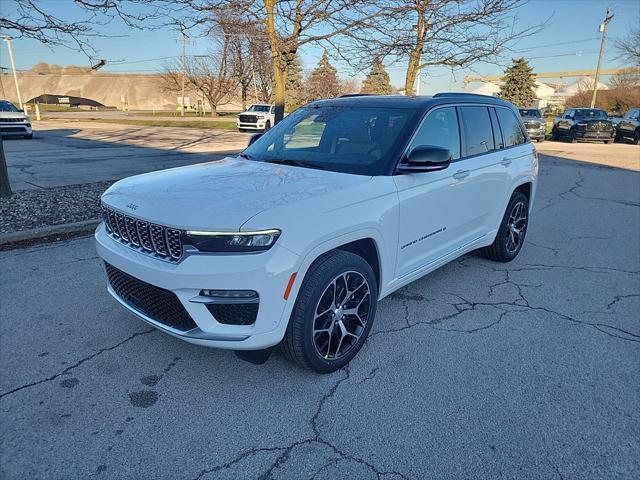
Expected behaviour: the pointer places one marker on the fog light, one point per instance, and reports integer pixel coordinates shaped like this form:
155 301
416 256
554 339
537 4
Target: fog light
229 293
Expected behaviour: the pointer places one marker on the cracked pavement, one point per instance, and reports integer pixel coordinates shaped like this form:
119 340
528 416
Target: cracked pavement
479 370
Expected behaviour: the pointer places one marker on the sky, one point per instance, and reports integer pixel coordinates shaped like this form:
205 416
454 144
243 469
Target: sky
569 41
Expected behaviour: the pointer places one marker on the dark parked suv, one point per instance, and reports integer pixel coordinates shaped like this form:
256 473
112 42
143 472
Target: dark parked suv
584 123
534 123
629 126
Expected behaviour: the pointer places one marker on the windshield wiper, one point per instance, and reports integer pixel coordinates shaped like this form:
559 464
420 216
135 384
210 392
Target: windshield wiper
245 155
295 163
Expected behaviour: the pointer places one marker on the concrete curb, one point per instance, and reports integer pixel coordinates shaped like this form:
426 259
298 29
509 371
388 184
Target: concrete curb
40 232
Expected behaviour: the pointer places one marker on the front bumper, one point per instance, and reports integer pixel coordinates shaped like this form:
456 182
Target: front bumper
15 129
595 135
252 126
537 133
266 273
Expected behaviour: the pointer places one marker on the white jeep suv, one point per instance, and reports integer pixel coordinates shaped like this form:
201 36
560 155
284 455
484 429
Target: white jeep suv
295 240
256 117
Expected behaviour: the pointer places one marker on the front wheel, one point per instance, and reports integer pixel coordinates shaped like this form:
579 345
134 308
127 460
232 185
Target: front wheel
554 134
572 136
28 137
267 125
512 231
333 313
636 137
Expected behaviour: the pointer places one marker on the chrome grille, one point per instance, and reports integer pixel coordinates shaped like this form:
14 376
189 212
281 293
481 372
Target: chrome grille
146 237
12 120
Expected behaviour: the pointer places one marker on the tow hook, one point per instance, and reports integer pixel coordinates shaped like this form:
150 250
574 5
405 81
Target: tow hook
257 357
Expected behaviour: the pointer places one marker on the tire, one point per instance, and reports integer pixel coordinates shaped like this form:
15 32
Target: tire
28 137
617 138
636 137
315 310
241 130
540 140
499 250
572 136
554 134
607 142
267 125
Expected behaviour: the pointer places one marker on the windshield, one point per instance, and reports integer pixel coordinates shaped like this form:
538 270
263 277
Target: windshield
589 113
347 139
259 108
7 106
530 112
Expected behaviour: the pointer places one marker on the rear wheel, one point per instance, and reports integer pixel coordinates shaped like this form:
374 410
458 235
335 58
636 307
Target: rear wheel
512 231
333 313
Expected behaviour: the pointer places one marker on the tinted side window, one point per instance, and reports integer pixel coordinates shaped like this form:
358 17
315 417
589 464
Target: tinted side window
478 135
511 131
497 136
440 128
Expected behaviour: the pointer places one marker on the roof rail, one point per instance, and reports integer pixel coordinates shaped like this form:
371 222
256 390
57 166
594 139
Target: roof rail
461 94
346 95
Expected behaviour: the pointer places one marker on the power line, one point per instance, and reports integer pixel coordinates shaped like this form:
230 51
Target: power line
554 44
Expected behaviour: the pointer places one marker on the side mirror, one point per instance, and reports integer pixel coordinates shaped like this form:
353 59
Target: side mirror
253 138
426 158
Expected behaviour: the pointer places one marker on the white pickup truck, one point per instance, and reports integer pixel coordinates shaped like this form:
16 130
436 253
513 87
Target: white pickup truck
259 116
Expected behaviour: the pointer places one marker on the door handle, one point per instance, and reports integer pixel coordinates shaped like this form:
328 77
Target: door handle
506 161
460 174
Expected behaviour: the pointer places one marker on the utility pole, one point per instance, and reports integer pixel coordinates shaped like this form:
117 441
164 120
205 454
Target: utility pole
603 36
8 39
184 70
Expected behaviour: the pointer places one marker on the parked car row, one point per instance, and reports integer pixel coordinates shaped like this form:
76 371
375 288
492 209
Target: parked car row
584 124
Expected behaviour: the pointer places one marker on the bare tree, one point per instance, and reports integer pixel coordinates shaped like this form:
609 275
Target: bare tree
44 21
5 185
293 24
629 47
210 75
79 22
428 33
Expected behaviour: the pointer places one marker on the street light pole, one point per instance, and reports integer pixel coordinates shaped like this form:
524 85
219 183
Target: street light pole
603 31
8 39
184 72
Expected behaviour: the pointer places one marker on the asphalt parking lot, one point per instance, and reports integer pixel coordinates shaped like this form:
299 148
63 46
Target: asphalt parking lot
69 153
529 370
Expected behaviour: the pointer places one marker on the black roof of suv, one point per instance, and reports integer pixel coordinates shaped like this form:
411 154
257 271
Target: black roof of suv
421 102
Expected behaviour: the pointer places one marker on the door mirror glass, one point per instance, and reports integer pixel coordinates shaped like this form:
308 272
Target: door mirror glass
253 138
426 158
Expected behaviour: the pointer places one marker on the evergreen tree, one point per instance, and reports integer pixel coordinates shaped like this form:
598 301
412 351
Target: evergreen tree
377 80
293 95
323 81
519 85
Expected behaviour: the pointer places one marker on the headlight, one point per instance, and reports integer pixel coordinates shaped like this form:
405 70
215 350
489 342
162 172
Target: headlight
230 242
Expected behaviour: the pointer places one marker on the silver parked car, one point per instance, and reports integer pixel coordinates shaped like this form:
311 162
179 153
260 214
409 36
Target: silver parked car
13 121
534 122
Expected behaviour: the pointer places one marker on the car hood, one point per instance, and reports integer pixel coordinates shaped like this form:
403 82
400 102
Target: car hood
221 195
13 115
